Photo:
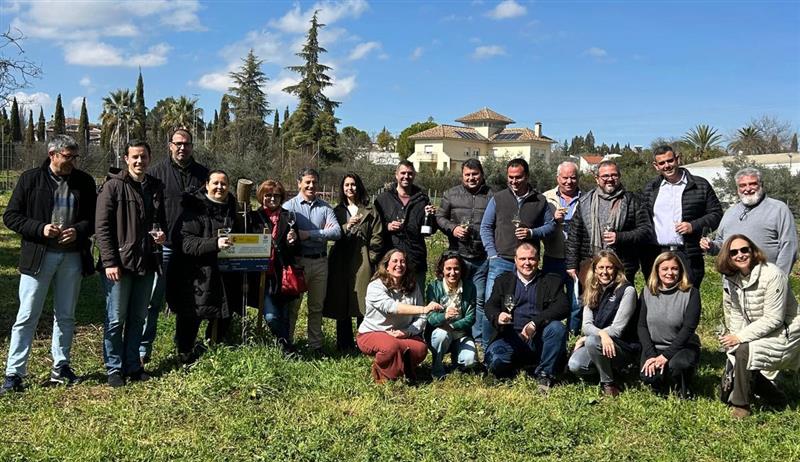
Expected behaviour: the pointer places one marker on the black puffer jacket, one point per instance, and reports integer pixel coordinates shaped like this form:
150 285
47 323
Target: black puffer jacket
409 238
699 204
457 203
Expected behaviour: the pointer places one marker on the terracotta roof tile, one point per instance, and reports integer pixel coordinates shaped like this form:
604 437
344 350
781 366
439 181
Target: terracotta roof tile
449 132
485 114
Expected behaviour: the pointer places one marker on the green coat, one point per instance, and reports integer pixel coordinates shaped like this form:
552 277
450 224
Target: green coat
351 262
436 292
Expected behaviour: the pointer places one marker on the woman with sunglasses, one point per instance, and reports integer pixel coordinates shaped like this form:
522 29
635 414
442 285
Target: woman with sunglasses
761 318
452 328
352 259
669 311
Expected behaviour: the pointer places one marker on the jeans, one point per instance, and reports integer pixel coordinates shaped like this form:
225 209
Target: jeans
126 310
156 303
277 317
559 266
462 349
63 269
509 351
497 266
590 359
477 270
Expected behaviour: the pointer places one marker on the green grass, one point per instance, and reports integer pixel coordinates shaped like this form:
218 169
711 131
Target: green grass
249 403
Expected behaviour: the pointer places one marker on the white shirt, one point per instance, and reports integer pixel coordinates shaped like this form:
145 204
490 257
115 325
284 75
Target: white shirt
668 211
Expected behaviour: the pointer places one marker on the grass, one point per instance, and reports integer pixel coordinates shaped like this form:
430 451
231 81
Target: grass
249 403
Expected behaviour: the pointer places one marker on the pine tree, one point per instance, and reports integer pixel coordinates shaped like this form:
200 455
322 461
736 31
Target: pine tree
59 123
14 122
29 139
139 110
83 126
41 126
249 104
565 148
793 146
285 118
589 141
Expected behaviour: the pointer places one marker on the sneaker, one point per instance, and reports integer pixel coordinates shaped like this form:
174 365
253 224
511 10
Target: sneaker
116 380
545 383
63 376
139 376
610 389
12 383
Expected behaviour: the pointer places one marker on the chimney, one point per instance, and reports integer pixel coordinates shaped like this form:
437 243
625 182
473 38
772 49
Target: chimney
537 129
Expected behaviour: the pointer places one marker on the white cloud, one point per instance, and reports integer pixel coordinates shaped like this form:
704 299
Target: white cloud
417 53
488 51
296 21
89 53
75 105
596 52
85 81
362 50
341 88
507 9
218 81
30 101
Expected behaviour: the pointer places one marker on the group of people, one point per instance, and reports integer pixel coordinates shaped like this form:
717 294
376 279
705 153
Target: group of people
159 232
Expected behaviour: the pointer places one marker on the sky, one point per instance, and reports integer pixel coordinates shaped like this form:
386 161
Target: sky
630 71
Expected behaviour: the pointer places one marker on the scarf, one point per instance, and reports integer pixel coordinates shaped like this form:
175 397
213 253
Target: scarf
613 216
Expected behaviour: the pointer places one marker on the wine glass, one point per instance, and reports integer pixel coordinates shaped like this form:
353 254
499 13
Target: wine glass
155 230
227 225
508 303
401 217
58 220
516 221
291 219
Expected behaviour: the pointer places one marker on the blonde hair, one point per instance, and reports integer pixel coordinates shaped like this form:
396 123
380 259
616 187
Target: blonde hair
593 290
653 282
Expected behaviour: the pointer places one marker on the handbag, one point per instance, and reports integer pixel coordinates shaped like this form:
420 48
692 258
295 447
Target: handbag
293 281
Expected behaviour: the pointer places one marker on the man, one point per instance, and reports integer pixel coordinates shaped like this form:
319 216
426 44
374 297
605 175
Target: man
563 200
516 214
608 217
682 207
316 224
52 209
129 203
767 222
459 217
526 308
180 174
402 208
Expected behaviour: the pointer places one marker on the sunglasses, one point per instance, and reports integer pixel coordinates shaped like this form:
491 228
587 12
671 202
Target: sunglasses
743 250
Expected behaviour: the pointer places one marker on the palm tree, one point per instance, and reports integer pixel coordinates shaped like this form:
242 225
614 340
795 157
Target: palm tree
703 139
180 113
117 119
748 140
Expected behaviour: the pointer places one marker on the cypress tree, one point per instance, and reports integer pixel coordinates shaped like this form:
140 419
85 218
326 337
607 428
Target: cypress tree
139 111
14 122
285 117
589 141
29 130
793 146
276 128
83 126
59 123
41 127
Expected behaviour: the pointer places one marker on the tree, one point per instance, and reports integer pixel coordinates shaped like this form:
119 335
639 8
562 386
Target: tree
29 139
276 129
748 140
704 140
769 126
219 137
249 104
405 147
14 122
59 122
285 117
41 126
139 110
16 71
385 140
180 113
588 142
353 143
83 126
793 146
116 119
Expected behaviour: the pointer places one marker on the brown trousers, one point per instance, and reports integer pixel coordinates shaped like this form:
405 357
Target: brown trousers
394 357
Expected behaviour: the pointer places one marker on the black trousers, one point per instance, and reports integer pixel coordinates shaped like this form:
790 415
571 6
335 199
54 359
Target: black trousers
345 340
187 325
677 374
695 266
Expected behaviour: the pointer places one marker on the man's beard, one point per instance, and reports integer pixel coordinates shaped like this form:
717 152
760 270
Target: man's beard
751 199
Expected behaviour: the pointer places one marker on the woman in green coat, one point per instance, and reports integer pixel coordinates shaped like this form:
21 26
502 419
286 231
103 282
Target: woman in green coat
352 259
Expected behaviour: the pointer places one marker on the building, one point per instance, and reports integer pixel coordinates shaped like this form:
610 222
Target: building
484 133
71 126
712 168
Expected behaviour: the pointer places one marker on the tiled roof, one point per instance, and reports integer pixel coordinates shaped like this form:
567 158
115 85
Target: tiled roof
593 159
448 132
523 135
485 115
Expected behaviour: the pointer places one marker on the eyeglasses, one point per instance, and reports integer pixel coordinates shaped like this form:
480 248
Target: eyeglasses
272 196
181 143
613 176
69 157
743 250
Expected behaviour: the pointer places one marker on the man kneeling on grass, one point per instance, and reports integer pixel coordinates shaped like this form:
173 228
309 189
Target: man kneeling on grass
526 308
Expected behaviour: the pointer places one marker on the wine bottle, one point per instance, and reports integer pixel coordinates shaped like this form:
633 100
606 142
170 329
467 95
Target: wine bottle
427 225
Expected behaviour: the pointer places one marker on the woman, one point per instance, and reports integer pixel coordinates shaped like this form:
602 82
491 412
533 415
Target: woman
273 219
452 329
761 316
199 289
394 320
609 331
352 259
669 311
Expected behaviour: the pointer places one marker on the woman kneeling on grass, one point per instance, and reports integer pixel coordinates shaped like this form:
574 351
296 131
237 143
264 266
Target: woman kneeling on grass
609 329
761 316
669 311
394 320
452 329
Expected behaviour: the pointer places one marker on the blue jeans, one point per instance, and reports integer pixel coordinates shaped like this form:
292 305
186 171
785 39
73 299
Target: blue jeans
126 310
509 352
155 306
559 266
63 269
497 266
277 317
477 270
462 349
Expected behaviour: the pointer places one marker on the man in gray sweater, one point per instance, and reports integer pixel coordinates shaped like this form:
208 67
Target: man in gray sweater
767 222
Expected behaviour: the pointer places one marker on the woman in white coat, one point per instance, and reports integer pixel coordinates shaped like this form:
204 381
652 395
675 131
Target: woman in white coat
761 317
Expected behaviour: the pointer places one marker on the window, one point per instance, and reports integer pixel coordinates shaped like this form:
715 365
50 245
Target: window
428 149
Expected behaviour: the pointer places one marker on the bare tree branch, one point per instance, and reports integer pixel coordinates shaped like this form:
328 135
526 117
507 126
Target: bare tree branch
16 70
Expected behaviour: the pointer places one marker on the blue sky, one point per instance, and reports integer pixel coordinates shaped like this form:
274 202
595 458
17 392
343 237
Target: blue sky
629 71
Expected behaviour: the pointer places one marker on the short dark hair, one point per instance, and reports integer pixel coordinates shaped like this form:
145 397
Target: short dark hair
448 255
473 164
216 171
607 163
519 162
361 192
184 131
663 149
307 171
137 143
405 163
531 245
